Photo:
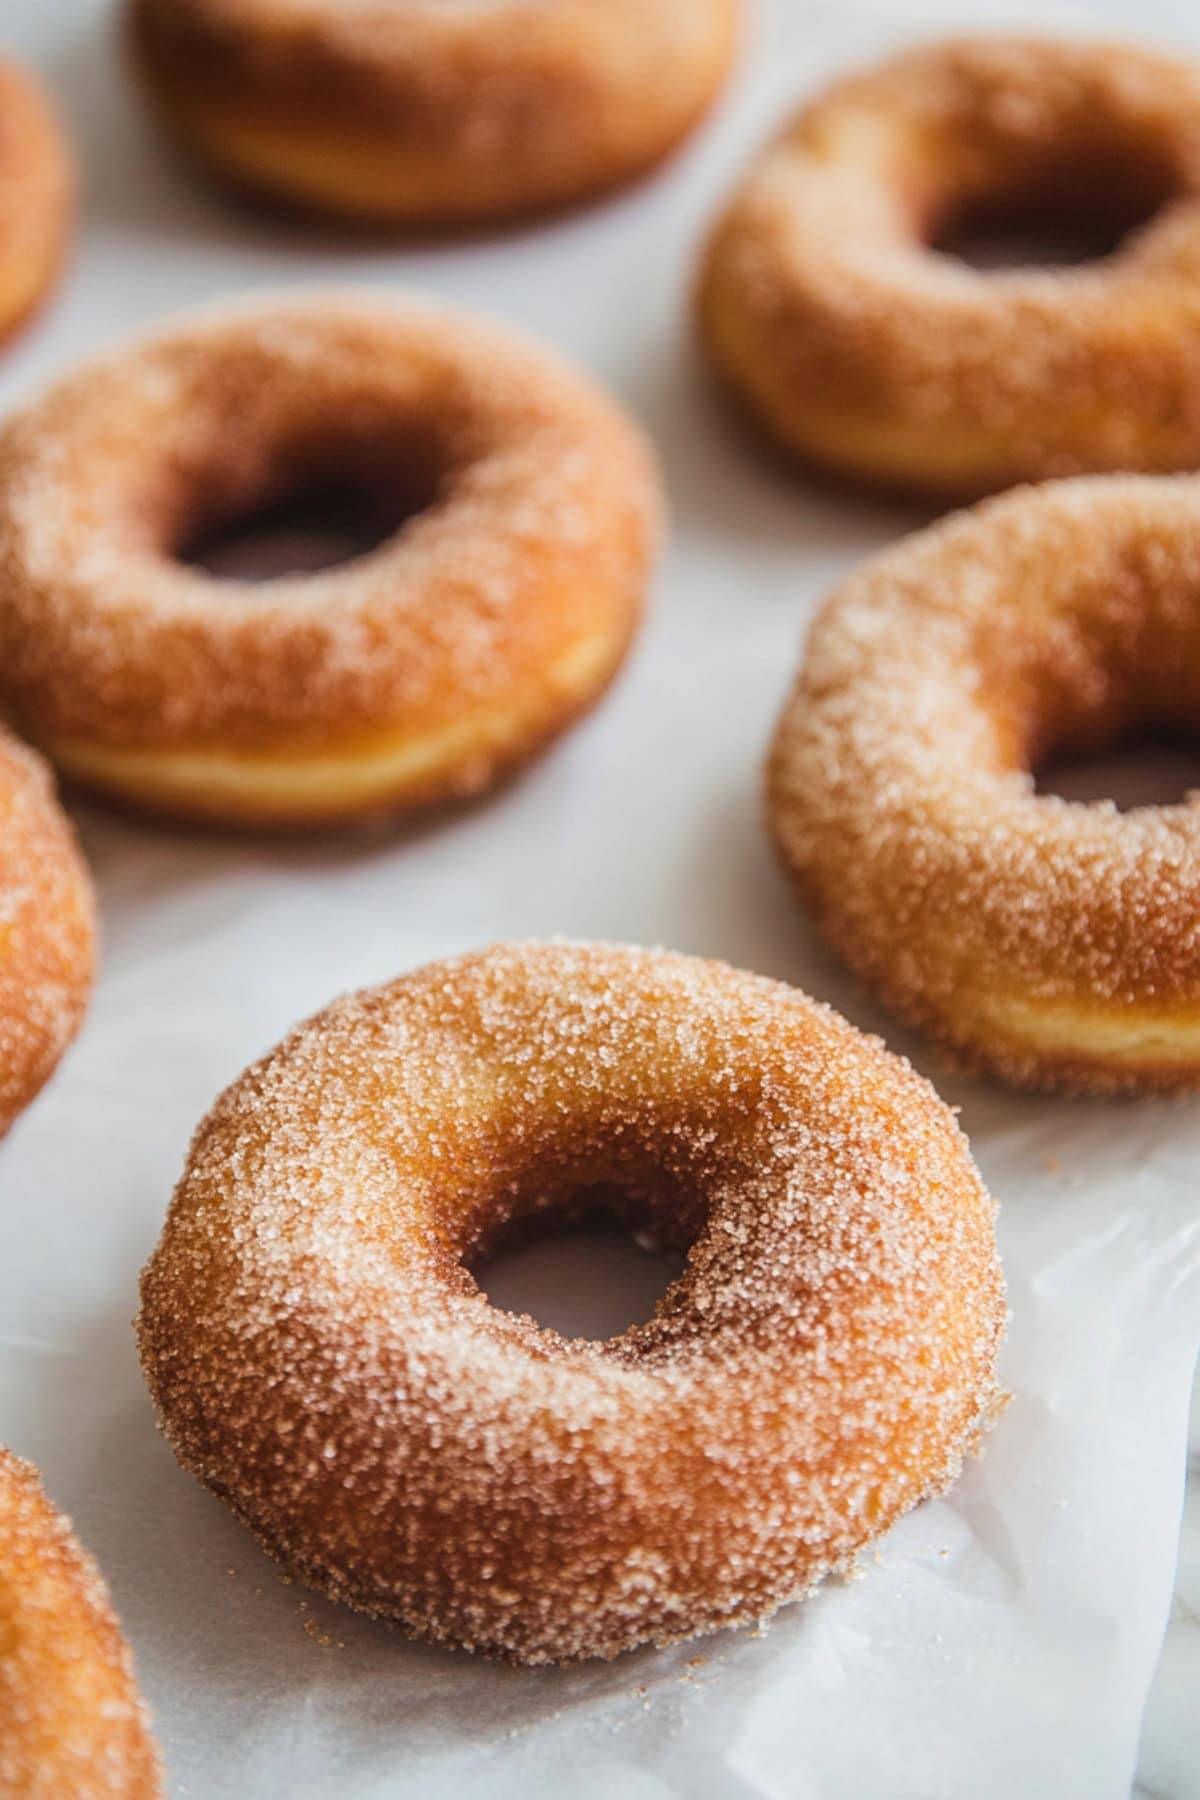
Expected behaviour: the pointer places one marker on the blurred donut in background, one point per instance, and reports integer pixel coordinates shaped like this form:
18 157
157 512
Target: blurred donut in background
831 309
428 114
37 188
513 511
47 929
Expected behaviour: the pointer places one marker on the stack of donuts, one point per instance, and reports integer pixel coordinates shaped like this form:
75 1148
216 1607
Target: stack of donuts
828 1356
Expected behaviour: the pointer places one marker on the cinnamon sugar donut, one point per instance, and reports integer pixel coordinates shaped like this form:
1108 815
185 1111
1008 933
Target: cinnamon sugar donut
36 193
418 112
47 930
321 1358
1055 943
825 304
73 1725
487 622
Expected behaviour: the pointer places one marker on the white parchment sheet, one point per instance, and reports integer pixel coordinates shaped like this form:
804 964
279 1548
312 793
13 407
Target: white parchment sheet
1002 1642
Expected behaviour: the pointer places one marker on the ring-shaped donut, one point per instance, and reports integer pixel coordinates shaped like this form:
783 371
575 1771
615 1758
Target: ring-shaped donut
827 308
420 113
72 1721
421 671
47 929
37 185
321 1358
1053 942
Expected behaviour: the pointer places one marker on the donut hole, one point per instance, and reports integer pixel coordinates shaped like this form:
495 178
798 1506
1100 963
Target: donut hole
1143 766
1063 211
303 508
321 527
1111 715
590 1280
589 1263
991 240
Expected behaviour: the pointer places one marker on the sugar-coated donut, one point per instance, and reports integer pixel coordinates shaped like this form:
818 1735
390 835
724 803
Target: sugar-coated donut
73 1725
321 1358
47 929
37 187
424 670
418 112
827 308
1055 943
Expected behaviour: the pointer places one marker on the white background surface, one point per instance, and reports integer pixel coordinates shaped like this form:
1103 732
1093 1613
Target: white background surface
1004 1641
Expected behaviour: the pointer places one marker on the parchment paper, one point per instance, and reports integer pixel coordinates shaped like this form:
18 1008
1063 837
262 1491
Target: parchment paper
1003 1640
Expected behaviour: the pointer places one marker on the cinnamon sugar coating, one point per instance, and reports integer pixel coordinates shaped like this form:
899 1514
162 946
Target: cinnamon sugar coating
47 929
322 1358
73 1725
860 348
1055 943
423 670
37 184
419 112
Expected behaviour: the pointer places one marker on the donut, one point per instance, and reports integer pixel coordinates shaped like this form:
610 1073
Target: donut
72 1721
36 196
520 511
1055 944
47 929
829 311
321 1357
419 113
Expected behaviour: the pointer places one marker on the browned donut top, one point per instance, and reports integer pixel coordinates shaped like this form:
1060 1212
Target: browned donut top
543 510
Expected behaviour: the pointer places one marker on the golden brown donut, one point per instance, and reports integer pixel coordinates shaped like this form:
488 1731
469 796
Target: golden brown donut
36 196
420 112
824 304
1057 944
422 671
322 1359
47 929
73 1725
